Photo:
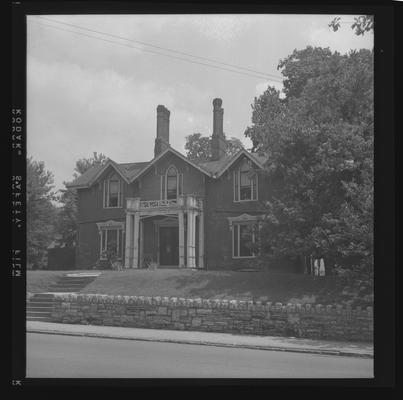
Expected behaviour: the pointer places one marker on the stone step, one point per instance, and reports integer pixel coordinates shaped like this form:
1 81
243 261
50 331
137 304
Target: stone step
64 289
68 285
77 279
39 309
47 296
39 313
39 302
41 319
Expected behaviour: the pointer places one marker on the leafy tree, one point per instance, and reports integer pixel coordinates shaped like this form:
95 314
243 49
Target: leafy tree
41 212
67 215
198 147
361 25
319 143
84 164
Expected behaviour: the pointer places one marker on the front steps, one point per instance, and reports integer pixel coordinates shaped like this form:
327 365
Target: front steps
71 284
40 305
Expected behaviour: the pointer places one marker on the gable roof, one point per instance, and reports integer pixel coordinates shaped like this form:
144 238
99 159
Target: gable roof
125 170
218 167
175 152
132 171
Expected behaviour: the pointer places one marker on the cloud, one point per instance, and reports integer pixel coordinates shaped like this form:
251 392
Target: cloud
342 41
102 111
221 28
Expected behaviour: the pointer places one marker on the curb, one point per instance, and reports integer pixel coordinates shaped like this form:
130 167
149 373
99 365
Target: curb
204 343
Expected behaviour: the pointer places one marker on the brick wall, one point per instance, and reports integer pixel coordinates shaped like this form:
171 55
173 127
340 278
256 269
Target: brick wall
235 316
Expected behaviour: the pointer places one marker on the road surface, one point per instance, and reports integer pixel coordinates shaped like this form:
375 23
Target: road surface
61 356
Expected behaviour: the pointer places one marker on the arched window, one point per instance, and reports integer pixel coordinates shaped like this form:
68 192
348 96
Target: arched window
245 183
171 184
112 191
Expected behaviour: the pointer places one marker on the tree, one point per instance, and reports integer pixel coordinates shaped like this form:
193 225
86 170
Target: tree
361 25
67 214
198 147
41 212
84 164
319 143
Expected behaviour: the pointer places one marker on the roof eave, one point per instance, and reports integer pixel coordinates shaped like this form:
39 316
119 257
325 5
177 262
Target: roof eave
234 158
103 169
156 159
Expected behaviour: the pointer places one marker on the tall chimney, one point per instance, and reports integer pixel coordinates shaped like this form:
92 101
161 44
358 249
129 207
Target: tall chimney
162 139
218 144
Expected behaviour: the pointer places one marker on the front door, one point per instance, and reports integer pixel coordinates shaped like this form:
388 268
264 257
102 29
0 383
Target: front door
169 245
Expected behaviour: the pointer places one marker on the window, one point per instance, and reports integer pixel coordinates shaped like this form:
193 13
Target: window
245 183
171 184
112 192
244 237
112 240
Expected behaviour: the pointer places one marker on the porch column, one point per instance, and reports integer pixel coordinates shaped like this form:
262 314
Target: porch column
201 240
181 239
141 250
136 240
129 240
191 240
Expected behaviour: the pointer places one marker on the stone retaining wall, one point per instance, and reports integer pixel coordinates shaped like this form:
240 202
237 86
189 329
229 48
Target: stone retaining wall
230 316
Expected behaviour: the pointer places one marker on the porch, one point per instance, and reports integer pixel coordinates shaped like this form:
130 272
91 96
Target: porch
168 233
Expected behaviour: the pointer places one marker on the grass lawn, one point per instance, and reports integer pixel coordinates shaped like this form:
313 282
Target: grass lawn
262 285
40 281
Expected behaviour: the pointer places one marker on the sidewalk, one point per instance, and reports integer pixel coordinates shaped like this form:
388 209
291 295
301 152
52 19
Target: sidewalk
354 349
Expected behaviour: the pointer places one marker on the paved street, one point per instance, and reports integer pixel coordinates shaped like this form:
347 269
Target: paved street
61 356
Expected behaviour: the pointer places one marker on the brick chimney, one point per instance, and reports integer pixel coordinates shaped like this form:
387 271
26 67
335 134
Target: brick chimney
162 139
218 144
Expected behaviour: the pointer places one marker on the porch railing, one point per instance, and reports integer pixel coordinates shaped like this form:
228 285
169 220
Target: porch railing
158 203
184 202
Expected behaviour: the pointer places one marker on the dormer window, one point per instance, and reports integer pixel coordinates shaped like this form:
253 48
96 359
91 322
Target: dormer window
245 183
171 184
112 192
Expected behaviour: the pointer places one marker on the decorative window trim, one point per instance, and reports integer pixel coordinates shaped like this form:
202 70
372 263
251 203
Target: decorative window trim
106 193
254 185
103 228
242 220
164 183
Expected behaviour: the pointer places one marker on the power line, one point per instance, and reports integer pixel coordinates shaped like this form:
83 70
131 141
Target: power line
267 75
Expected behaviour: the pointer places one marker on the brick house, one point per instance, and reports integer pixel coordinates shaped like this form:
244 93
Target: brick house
171 210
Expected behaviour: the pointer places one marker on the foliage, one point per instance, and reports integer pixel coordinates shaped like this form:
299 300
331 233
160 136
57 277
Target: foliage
67 214
40 212
361 25
319 143
198 147
84 164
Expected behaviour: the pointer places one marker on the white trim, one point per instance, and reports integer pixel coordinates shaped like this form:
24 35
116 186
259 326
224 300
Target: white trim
234 158
109 163
254 184
106 199
166 181
161 186
170 149
239 224
104 231
110 224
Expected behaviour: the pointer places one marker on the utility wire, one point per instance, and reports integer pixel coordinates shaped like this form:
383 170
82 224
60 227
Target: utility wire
161 54
269 76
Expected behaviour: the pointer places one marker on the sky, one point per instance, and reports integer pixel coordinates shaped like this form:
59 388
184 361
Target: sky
86 94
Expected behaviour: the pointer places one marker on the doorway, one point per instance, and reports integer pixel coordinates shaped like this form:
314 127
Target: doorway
169 246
